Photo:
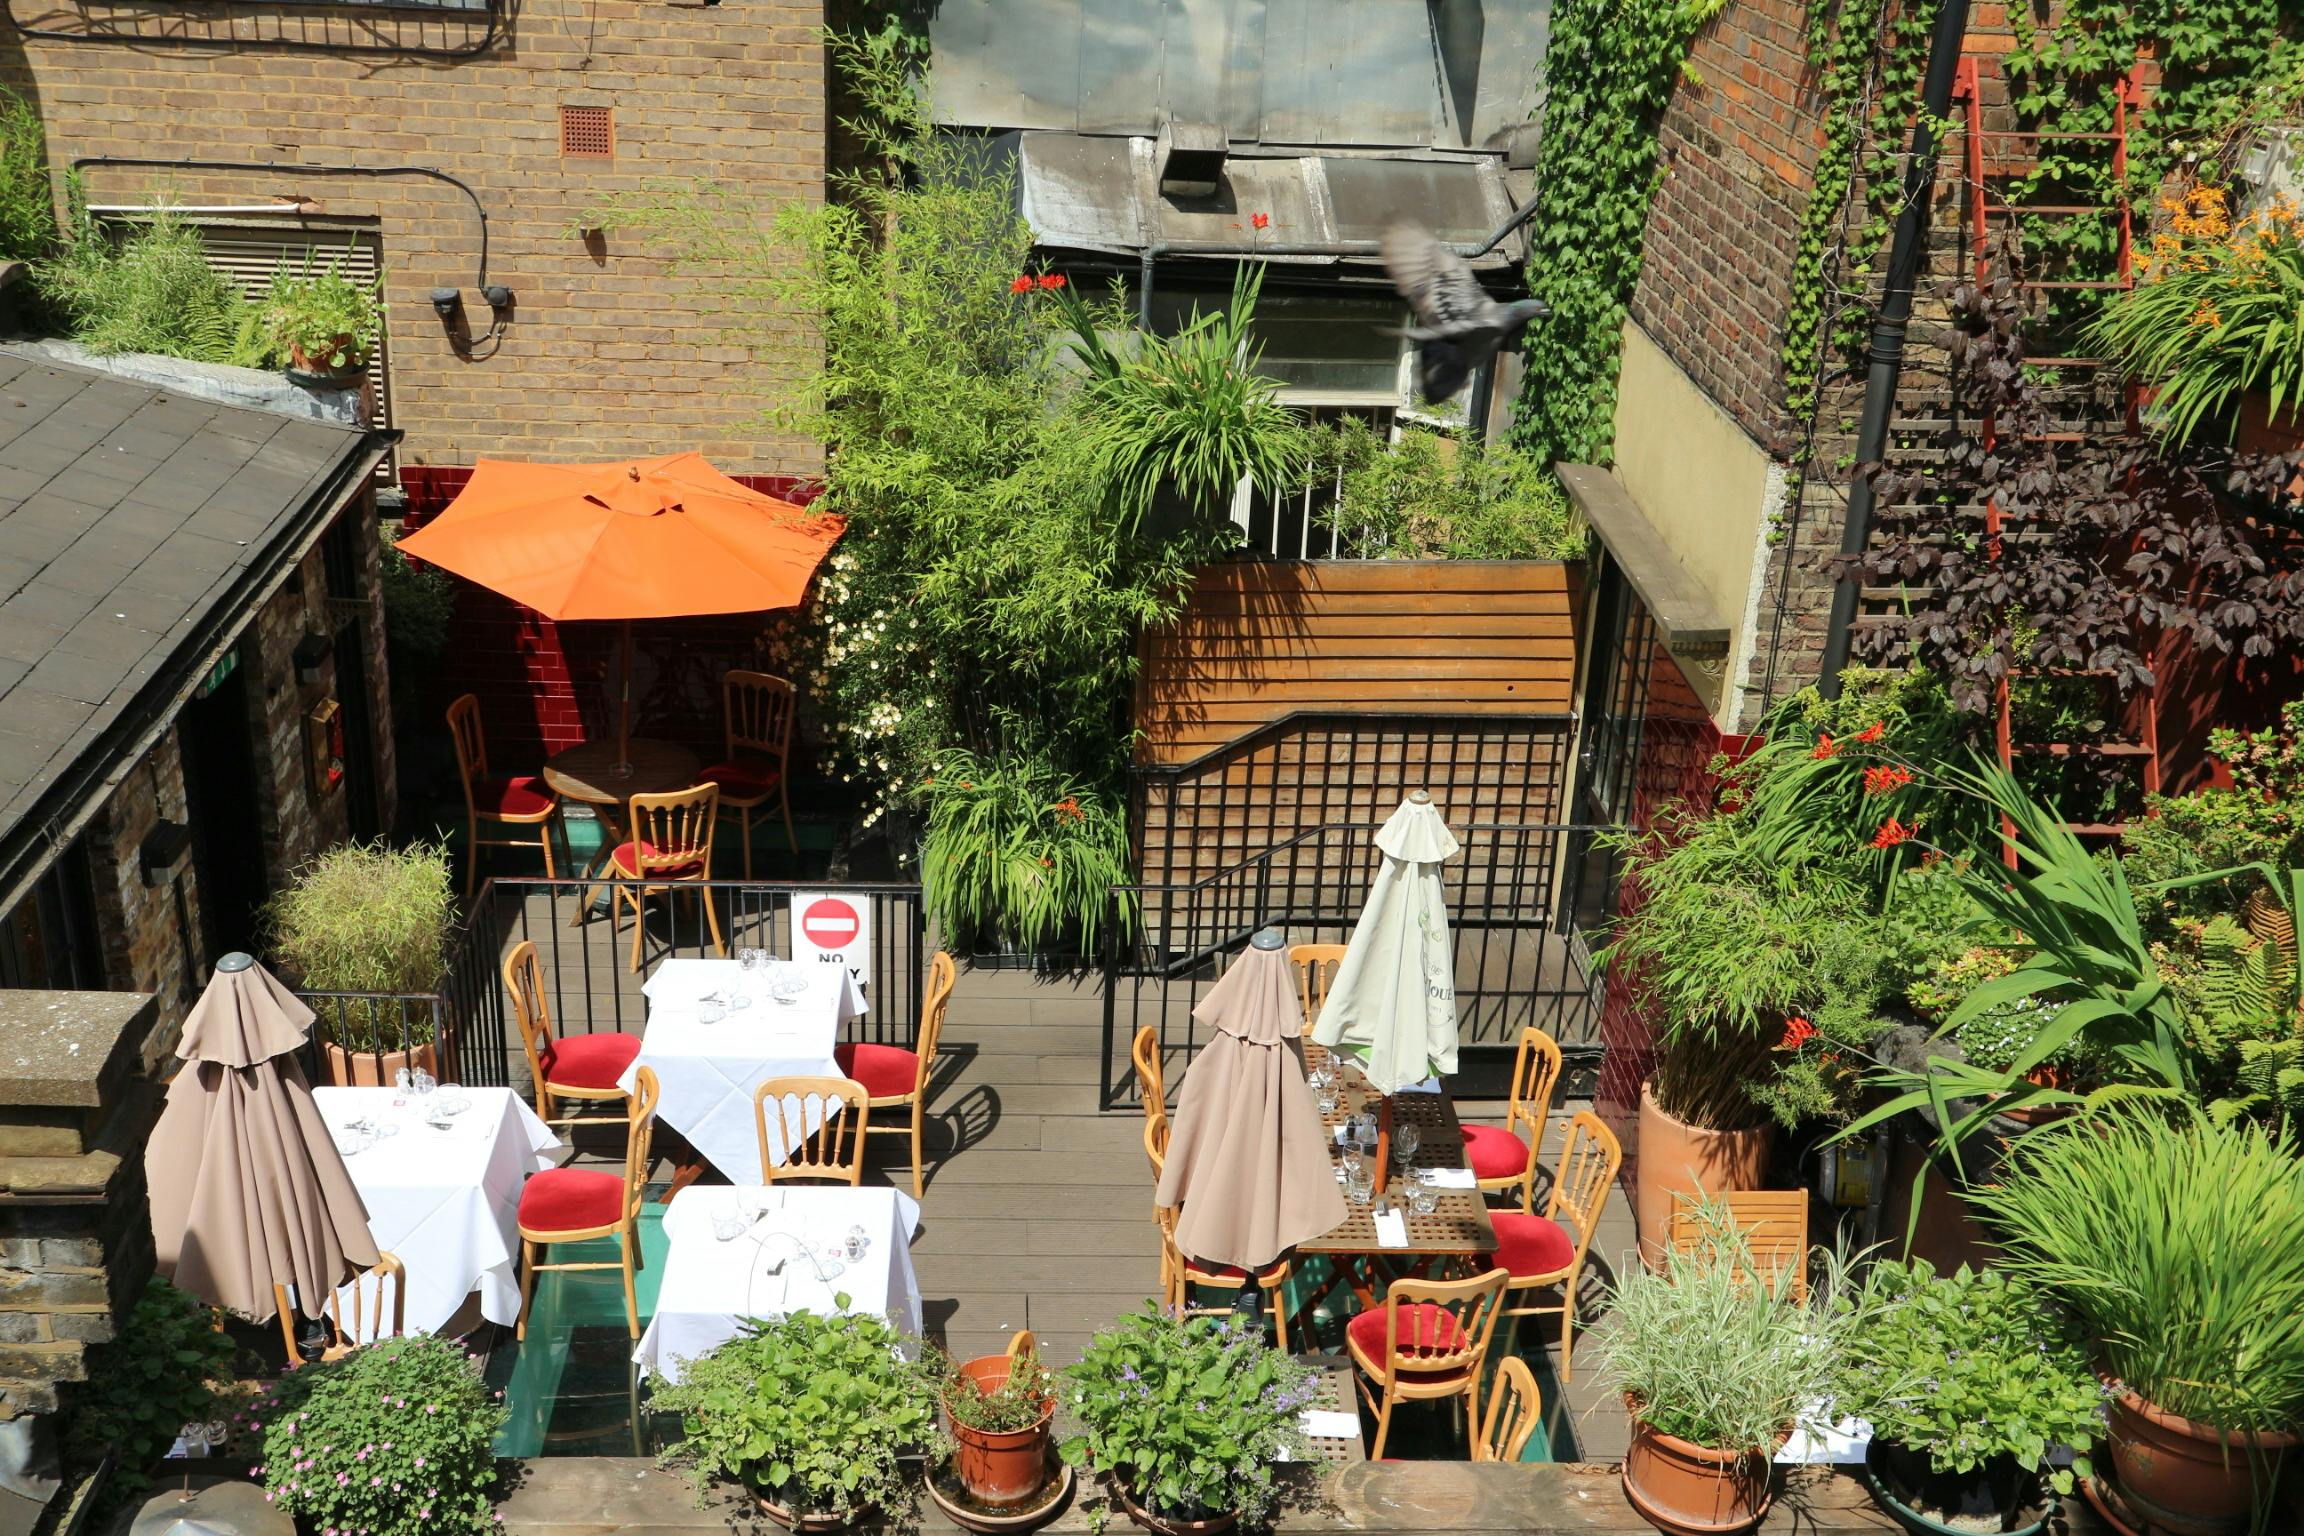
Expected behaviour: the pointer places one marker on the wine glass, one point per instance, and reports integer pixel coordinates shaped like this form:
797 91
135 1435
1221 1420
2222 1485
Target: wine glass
423 1084
1328 1101
1406 1138
749 964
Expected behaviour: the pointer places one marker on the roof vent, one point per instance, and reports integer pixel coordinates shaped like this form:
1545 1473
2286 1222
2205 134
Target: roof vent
1191 159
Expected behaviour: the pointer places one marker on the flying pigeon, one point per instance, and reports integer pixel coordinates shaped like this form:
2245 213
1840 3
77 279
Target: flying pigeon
1458 327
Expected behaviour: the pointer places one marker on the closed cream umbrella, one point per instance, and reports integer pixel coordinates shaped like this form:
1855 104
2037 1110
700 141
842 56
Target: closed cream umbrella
1247 1171
248 1189
1391 1009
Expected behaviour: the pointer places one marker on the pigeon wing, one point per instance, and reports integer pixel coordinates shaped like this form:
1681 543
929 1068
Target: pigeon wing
1438 284
1442 367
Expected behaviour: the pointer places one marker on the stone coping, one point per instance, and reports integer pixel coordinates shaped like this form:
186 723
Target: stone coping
68 1050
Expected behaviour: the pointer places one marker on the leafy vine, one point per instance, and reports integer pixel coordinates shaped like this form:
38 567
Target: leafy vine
1609 72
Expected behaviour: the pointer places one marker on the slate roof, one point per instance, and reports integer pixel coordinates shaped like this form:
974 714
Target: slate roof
128 514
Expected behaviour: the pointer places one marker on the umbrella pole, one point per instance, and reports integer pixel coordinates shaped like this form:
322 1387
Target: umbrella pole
624 709
1383 1142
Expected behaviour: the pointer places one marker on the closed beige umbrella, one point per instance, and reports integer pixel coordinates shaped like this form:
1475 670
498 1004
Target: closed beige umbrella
1247 1168
248 1189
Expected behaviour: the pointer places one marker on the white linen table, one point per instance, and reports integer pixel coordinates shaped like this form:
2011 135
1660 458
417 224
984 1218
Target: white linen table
710 1287
708 1071
447 1202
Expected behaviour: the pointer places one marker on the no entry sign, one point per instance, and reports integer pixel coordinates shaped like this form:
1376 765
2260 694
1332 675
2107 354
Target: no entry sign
836 930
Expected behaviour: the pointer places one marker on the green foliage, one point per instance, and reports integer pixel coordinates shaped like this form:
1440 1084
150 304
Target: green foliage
152 289
28 228
395 1439
2270 1078
419 602
1191 1413
1717 1351
367 917
159 1373
1431 496
2175 1243
324 315
1025 1396
2183 836
1970 1368
811 1410
1609 71
1186 416
1018 851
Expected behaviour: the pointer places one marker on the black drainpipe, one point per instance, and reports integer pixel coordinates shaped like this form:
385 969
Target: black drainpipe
1889 325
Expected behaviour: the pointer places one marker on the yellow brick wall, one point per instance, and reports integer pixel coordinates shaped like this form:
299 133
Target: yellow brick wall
609 355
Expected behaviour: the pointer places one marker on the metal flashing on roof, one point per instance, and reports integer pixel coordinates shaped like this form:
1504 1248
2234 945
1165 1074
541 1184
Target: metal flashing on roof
1678 604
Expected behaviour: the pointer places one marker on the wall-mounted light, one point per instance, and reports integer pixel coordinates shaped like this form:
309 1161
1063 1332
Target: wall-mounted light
310 655
445 303
499 299
163 852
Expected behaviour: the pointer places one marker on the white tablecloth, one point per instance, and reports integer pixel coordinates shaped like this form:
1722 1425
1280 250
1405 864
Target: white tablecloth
708 1071
446 1202
710 1286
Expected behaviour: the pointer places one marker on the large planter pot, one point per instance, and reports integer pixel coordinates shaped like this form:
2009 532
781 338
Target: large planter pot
792 1520
1691 1490
2002 1498
999 1468
1125 1497
1676 1158
2186 1478
375 1069
316 372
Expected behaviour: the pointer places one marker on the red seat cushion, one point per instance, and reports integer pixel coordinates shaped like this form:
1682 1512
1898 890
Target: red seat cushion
1530 1245
627 864
1423 1325
1494 1153
519 794
589 1061
571 1200
885 1070
744 777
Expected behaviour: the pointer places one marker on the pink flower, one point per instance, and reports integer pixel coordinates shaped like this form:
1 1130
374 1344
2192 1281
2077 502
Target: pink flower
375 1481
419 1461
267 1496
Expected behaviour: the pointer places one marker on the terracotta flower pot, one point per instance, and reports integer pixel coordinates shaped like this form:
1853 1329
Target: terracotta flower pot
1144 1517
318 369
999 1467
792 1521
2186 1477
1998 1496
375 1069
1679 1486
1676 1158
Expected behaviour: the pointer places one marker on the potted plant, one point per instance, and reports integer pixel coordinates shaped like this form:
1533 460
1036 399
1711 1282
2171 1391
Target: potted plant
808 1413
1719 1362
1185 1418
325 322
2174 1241
366 927
1969 1380
998 1409
1022 857
396 1438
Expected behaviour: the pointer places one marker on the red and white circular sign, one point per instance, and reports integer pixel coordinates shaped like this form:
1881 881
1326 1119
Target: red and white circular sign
829 923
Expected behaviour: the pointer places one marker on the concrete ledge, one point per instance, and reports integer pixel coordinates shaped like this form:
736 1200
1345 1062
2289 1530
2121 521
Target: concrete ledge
1676 600
602 1496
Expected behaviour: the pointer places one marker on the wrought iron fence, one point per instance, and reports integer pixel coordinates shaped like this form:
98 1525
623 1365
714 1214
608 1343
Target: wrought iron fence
465 1029
1521 957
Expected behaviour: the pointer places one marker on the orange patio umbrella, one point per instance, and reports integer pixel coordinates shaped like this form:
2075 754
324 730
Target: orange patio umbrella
648 539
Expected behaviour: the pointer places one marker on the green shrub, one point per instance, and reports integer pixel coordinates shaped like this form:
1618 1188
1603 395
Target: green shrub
1018 852
160 1372
28 228
367 917
319 311
152 289
395 1439
1430 496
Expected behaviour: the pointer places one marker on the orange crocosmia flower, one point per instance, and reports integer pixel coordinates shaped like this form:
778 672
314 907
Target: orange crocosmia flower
1873 732
1797 1032
1886 778
1826 748
1021 285
1891 833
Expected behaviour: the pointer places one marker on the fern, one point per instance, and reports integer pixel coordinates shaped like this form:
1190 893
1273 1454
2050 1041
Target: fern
153 290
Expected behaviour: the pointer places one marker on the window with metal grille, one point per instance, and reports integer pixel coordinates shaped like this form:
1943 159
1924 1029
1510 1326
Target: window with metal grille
587 133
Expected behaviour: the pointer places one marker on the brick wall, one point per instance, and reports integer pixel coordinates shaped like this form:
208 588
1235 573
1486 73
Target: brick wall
141 927
611 355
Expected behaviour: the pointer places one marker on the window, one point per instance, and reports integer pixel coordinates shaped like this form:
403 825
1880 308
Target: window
49 941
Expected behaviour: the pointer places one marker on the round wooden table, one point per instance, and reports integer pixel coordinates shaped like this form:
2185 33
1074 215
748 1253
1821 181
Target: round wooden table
586 772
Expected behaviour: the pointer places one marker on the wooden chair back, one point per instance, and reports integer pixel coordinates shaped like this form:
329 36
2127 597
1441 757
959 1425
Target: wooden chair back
1514 1406
674 829
832 1148
1535 1073
639 1138
1144 1051
1315 973
943 976
756 714
1022 1346
471 740
370 1289
1422 1345
1156 1140
1590 1154
524 981
1770 1227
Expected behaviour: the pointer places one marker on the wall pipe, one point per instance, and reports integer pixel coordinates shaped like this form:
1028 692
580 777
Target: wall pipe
1889 326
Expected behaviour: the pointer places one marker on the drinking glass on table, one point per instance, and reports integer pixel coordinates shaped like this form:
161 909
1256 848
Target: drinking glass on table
1359 1181
423 1084
1423 1198
751 964
1405 1140
1328 1100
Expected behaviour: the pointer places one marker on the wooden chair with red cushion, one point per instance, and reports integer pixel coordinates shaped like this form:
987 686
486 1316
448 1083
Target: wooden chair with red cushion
1504 1157
580 1068
1548 1250
671 846
574 1205
1179 1273
1428 1341
514 800
897 1078
756 722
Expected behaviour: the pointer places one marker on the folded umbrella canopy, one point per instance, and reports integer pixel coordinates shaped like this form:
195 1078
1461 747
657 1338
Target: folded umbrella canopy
1246 1162
649 539
248 1189
1392 1004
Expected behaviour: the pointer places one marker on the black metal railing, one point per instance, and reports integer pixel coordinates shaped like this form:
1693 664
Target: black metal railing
585 949
1520 956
